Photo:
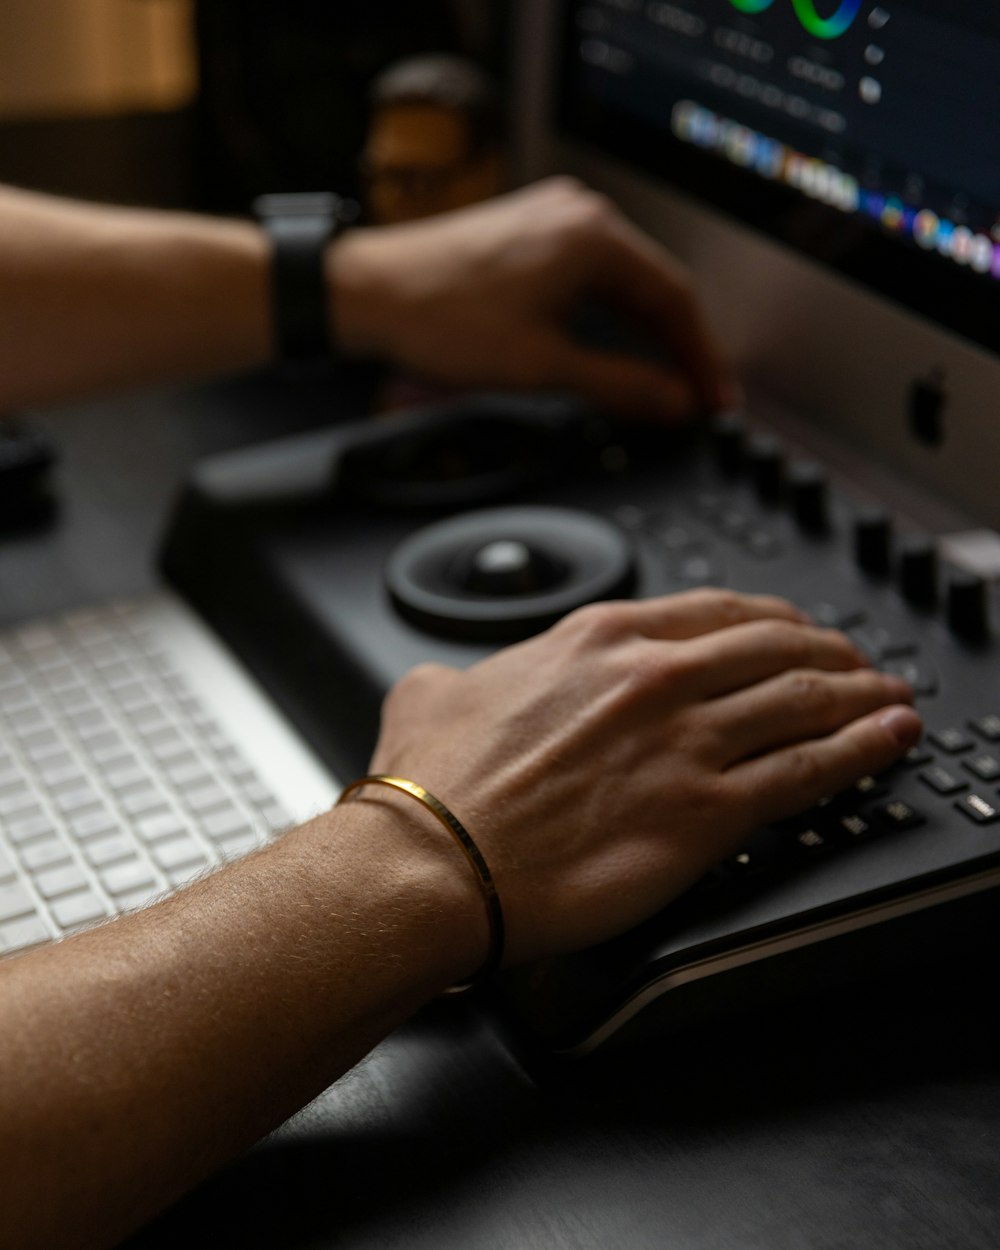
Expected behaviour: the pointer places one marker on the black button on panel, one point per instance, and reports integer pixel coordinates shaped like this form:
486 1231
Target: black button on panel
987 727
941 780
916 673
951 740
852 827
984 766
978 809
882 644
899 815
916 756
837 615
865 788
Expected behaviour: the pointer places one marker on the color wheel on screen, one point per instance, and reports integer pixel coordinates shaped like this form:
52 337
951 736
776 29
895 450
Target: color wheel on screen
806 10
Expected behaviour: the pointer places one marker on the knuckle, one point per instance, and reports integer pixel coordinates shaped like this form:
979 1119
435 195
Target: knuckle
590 212
564 185
728 605
419 680
806 774
595 624
809 688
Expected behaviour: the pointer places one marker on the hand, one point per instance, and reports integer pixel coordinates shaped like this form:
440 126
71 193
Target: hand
606 765
482 297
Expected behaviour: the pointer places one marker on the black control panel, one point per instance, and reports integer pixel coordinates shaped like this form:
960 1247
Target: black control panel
332 589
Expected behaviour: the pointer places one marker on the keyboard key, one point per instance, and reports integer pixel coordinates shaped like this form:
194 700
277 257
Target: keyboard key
92 823
15 901
188 771
110 850
237 844
11 777
60 773
205 798
169 744
58 881
132 900
228 821
127 776
21 831
985 766
161 825
899 815
978 809
71 802
6 867
190 872
18 802
139 802
275 817
77 909
22 934
134 875
941 780
951 740
176 852
45 853
987 727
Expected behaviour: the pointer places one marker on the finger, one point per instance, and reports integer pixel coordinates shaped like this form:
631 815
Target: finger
642 278
621 383
793 779
798 705
696 612
744 655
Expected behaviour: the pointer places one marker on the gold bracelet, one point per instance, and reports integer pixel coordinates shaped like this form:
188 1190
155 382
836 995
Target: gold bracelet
494 912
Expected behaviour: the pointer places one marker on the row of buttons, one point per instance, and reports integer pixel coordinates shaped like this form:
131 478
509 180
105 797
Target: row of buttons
983 765
855 815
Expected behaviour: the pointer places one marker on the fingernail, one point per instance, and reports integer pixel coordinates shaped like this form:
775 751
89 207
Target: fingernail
903 723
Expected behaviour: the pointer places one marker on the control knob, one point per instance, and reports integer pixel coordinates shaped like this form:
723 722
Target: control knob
728 435
968 605
873 540
767 466
809 488
918 570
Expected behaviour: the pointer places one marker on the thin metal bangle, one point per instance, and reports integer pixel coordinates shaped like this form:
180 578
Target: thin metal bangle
494 912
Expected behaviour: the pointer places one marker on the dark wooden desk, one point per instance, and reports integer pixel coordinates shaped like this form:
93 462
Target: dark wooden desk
866 1119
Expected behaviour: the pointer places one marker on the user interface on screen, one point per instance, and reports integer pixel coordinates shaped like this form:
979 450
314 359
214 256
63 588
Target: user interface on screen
867 134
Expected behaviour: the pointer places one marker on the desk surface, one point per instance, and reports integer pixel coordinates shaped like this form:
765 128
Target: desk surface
868 1119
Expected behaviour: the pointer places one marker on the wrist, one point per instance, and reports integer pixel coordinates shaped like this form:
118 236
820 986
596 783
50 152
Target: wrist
416 896
360 291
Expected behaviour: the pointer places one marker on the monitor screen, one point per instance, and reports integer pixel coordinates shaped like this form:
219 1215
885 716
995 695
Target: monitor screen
863 135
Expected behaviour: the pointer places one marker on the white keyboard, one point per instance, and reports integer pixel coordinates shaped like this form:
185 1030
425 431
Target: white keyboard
135 755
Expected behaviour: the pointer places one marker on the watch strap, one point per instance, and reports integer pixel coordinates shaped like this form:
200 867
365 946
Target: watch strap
300 227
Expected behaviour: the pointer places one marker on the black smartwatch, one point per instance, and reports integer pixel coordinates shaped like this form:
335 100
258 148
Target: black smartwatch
300 226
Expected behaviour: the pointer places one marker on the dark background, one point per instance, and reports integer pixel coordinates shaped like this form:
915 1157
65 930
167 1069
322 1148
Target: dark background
282 104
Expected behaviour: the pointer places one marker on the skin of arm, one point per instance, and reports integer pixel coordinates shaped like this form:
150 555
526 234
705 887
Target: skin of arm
140 1056
95 298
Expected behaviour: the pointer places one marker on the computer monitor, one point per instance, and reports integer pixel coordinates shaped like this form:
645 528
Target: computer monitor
830 170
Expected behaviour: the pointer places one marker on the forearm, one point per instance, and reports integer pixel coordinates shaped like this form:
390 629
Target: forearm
94 299
151 1051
